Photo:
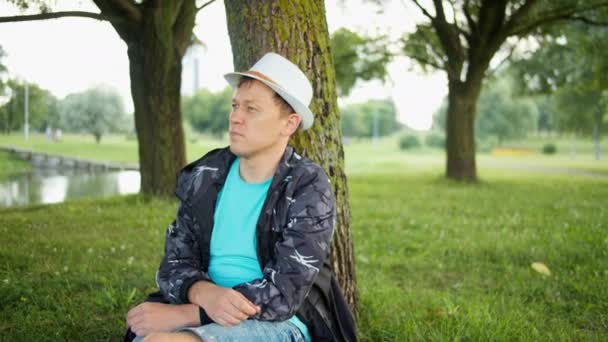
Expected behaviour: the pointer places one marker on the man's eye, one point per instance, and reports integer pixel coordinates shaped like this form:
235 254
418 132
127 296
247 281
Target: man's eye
234 106
251 109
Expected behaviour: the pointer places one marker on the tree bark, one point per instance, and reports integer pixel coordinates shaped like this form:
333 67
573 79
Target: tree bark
298 31
155 49
462 103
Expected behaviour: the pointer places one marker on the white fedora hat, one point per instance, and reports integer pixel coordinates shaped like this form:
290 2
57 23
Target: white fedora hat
285 78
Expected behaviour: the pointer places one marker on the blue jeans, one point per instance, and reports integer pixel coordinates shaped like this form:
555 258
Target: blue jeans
249 330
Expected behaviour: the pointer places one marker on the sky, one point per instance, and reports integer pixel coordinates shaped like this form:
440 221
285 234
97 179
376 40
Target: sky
69 55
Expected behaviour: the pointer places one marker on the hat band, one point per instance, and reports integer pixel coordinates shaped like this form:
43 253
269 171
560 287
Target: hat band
260 75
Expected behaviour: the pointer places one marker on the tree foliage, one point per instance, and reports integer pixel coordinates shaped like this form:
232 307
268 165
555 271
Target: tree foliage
207 112
97 111
467 39
571 68
41 107
358 57
358 119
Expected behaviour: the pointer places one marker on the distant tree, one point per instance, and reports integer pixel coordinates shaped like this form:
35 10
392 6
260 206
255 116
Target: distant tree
358 58
207 112
501 113
41 106
3 70
462 38
156 34
358 119
571 65
578 110
97 111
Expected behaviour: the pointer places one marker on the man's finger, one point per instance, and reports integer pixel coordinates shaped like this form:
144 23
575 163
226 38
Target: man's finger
245 305
237 313
135 322
232 320
134 311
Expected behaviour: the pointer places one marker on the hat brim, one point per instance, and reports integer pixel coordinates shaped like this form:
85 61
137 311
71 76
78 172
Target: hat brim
301 109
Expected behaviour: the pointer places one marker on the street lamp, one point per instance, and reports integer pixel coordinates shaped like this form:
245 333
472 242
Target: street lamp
26 129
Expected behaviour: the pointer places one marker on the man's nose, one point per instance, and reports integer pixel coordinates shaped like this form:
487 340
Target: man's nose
236 116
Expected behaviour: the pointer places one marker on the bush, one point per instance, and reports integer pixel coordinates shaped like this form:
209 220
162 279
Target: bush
549 149
407 142
435 140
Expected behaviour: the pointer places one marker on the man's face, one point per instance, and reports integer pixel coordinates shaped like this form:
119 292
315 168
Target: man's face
256 124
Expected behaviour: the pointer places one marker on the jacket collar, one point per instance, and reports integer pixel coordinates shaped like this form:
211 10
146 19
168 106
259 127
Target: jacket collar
195 178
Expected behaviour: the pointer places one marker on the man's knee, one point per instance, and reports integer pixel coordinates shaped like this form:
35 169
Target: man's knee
174 337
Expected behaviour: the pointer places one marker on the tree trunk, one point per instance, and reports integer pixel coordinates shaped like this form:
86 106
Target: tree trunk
298 31
155 53
596 134
462 103
573 151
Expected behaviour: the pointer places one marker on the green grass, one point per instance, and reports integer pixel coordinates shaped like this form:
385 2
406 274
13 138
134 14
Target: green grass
10 165
112 148
443 261
361 155
436 260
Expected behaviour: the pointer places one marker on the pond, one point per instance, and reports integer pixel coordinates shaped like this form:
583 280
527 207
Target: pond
57 185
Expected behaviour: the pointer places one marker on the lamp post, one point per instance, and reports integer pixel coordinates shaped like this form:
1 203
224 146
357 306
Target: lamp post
26 129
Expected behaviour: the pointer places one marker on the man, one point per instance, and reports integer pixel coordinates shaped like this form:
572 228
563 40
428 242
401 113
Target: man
247 257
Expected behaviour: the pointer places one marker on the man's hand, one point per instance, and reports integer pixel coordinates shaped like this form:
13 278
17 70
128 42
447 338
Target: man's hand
224 306
147 318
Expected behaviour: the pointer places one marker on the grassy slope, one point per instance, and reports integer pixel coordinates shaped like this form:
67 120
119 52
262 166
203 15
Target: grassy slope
435 260
10 165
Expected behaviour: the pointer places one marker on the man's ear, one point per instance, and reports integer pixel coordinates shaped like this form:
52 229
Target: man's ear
292 124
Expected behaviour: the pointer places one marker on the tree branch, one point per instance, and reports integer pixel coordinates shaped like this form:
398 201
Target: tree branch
519 15
563 13
513 47
129 8
424 11
204 5
424 61
467 15
55 15
439 12
462 31
590 21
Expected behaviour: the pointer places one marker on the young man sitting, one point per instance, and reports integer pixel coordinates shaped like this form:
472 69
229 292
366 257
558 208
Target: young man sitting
246 259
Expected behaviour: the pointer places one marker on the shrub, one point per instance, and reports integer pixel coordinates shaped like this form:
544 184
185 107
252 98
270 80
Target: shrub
435 140
549 149
407 142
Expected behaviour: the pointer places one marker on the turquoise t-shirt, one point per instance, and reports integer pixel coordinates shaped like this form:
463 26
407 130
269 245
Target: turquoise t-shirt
233 243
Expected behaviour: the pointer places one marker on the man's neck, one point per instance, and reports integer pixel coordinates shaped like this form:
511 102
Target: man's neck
260 167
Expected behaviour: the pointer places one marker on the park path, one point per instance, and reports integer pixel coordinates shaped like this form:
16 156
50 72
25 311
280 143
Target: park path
545 169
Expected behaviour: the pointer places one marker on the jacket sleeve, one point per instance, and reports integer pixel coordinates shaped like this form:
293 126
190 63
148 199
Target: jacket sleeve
181 264
299 252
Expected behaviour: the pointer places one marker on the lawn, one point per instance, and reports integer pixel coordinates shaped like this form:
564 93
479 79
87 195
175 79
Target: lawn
436 260
10 165
112 148
361 155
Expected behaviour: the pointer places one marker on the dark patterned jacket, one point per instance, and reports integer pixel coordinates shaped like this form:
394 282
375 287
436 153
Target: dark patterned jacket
293 237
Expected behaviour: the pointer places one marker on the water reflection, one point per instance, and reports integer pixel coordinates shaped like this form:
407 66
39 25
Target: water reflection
53 186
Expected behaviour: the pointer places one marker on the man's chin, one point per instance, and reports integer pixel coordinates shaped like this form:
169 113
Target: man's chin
238 150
